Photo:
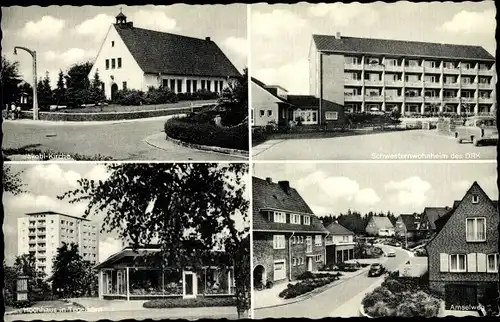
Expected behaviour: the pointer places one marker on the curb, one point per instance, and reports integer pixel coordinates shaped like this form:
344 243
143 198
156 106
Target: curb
231 152
315 291
89 123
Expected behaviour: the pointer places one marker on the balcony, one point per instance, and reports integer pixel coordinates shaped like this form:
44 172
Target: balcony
373 83
450 99
486 100
435 70
393 98
32 233
486 86
468 99
353 98
353 66
355 82
448 70
468 85
484 71
393 68
432 84
468 71
414 69
413 83
41 233
416 99
451 85
374 67
374 98
432 99
394 83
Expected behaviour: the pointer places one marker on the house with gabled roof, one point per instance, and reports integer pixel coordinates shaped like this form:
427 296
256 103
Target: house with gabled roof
339 244
138 58
463 258
379 226
273 104
288 238
406 226
428 218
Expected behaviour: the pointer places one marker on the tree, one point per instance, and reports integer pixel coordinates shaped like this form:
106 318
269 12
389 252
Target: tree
25 265
186 208
60 95
11 181
78 84
9 79
44 93
71 275
97 92
234 99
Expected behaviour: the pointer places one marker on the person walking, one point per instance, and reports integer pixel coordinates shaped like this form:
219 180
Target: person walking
13 111
18 111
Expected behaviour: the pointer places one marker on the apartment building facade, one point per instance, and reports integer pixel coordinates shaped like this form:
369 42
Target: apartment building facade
42 233
414 77
288 239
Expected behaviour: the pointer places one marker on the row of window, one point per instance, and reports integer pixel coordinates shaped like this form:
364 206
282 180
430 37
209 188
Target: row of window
279 241
114 63
377 77
318 240
192 85
474 263
281 217
298 261
415 63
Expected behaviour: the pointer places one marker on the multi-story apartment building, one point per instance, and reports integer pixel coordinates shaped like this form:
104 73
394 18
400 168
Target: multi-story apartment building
288 239
414 77
463 256
42 233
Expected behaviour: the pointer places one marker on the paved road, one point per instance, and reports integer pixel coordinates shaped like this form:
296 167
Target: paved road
155 314
323 304
120 141
410 145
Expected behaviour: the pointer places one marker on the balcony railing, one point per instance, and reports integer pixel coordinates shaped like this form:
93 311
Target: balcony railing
468 99
429 69
414 98
469 85
486 100
348 81
373 82
393 98
432 84
468 71
448 70
393 83
413 83
414 69
353 66
486 85
451 85
393 68
484 71
353 98
432 99
374 98
373 67
450 99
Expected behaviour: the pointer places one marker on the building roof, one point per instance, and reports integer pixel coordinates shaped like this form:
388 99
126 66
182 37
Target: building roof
48 213
409 221
265 87
166 53
400 48
272 196
303 100
382 222
277 86
434 213
337 229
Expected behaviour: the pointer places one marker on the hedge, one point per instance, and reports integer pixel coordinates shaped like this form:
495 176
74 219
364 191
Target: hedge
202 133
306 286
185 303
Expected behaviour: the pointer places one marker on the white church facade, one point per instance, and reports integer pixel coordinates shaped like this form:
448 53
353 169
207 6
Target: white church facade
137 58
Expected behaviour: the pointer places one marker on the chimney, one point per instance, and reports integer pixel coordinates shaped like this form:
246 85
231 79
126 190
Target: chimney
285 185
337 35
207 38
269 180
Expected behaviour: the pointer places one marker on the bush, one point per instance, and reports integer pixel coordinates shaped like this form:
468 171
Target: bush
186 130
307 285
305 276
129 97
184 303
259 135
160 95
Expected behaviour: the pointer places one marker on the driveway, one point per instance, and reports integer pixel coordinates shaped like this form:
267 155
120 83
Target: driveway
121 140
326 303
403 145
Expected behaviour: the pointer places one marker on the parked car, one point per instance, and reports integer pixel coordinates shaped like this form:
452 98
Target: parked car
376 269
390 253
477 129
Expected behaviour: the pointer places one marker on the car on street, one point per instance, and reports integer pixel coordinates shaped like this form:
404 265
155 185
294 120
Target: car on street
390 253
376 269
478 130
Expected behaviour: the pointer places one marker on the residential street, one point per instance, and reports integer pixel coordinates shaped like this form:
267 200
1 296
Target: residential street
326 303
404 145
119 140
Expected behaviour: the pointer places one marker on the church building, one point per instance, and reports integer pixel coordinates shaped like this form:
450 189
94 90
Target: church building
137 58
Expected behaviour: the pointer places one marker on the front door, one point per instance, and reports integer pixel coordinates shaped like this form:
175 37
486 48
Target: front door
189 284
460 297
309 264
114 90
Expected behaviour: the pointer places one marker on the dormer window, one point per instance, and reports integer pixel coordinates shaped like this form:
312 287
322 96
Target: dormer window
279 217
307 220
475 199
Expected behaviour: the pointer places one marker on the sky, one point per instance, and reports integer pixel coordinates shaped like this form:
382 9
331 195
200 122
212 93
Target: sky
43 183
280 35
396 187
63 35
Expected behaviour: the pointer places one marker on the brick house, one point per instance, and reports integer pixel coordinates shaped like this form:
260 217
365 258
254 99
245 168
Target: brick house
429 217
339 244
379 226
463 255
288 239
406 226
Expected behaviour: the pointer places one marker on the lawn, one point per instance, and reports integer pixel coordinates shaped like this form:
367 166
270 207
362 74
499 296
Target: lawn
123 108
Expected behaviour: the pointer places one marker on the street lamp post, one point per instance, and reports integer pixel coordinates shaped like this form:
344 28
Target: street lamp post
35 99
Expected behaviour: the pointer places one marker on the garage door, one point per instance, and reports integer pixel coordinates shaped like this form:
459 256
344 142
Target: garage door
279 270
459 297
